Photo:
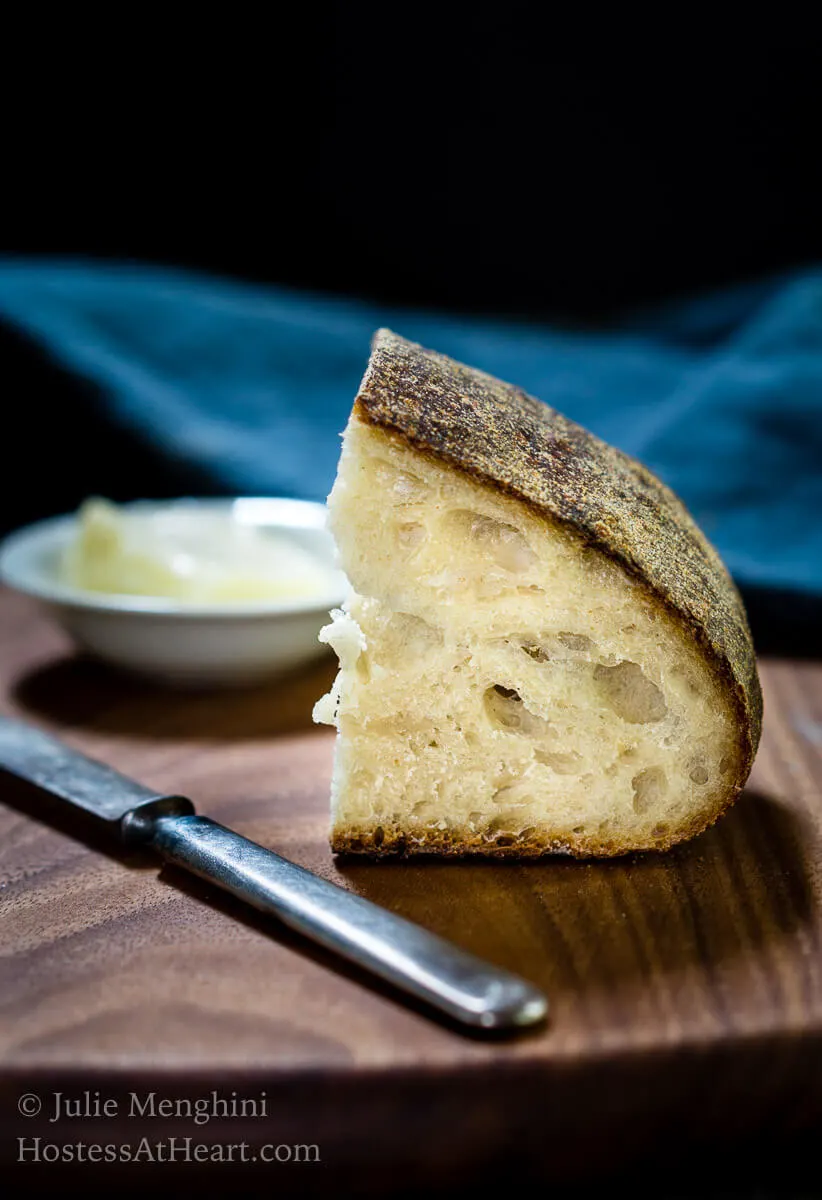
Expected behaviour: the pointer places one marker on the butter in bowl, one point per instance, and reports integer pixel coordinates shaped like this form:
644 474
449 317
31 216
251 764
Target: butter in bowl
187 592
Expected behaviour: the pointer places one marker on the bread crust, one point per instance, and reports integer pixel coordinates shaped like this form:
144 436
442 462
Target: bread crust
380 840
505 439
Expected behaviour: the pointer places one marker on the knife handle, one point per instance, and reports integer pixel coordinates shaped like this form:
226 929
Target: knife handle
406 955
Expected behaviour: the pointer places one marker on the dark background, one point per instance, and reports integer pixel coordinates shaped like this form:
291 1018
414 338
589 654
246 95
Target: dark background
502 157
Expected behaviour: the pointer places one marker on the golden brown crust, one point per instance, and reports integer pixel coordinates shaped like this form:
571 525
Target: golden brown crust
379 839
507 440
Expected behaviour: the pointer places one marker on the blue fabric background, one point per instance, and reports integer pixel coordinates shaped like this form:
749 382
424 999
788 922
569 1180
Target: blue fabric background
721 396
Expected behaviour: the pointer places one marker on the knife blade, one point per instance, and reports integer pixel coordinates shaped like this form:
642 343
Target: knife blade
471 992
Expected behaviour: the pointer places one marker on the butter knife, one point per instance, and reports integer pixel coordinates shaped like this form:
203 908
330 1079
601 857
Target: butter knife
417 962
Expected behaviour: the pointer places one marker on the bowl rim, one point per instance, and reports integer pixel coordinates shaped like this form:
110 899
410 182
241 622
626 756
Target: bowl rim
20 549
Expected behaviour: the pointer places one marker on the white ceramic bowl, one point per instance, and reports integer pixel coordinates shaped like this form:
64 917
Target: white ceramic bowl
174 642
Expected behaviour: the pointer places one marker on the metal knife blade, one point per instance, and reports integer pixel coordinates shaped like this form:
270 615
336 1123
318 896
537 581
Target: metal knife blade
99 790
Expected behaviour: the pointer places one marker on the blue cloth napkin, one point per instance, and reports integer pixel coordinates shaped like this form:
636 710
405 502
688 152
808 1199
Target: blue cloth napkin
721 396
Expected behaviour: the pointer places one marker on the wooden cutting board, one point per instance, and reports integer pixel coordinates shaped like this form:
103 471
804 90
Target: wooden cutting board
686 988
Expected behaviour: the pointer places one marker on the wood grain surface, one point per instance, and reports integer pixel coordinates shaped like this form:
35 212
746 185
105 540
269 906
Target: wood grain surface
686 987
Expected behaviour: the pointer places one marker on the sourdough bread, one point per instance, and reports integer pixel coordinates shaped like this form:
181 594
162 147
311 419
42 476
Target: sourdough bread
543 653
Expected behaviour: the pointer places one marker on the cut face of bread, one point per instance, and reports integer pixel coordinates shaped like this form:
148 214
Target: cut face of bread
511 682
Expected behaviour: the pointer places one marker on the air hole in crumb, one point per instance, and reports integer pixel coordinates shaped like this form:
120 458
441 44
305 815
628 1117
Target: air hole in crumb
401 487
506 710
562 763
629 752
527 832
649 788
630 693
503 542
578 829
505 823
659 831
421 809
503 775
379 836
725 764
410 535
513 796
363 667
415 636
538 653
577 642
697 771
546 650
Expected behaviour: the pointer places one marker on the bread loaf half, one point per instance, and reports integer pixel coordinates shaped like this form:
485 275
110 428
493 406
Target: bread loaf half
542 653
